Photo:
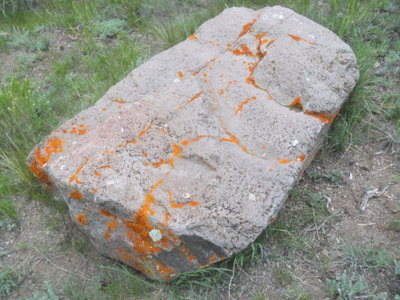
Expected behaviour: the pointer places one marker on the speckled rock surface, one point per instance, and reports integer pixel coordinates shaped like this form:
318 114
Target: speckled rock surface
187 160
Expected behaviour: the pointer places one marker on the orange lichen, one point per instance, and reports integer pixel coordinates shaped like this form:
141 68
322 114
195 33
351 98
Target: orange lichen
296 103
98 174
163 162
119 101
112 224
76 195
239 108
195 97
246 28
140 227
94 191
103 109
179 205
233 139
284 161
81 219
109 152
74 176
195 73
53 145
107 213
301 157
132 142
144 131
243 50
263 147
145 154
221 92
270 170
147 164
187 142
107 235
176 150
193 37
180 75
323 117
297 39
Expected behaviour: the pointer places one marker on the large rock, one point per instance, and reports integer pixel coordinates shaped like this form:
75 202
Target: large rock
187 160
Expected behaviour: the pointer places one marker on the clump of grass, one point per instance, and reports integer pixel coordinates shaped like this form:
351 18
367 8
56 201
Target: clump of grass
47 294
11 6
109 28
9 279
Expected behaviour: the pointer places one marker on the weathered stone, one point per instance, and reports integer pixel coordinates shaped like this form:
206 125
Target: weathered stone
186 161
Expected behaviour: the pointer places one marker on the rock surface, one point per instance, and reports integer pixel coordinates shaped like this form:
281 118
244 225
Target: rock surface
187 160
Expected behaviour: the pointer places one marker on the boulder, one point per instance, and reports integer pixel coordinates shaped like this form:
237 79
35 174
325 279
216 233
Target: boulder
187 160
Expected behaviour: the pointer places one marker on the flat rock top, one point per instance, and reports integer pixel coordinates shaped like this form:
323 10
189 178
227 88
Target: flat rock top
199 147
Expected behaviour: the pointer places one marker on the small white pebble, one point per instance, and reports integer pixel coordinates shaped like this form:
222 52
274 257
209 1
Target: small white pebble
62 167
295 143
252 197
155 235
308 79
176 80
186 195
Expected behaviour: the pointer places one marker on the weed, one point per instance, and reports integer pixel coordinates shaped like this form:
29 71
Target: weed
282 276
360 258
347 286
8 280
7 209
109 28
26 59
24 39
48 294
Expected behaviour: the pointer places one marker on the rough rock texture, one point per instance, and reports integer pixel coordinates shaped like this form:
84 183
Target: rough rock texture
190 157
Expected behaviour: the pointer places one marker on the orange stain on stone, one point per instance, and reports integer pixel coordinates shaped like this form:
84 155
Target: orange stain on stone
76 195
144 131
119 101
180 75
284 161
195 97
109 152
239 108
141 225
187 142
233 139
81 219
163 162
176 150
297 39
53 145
301 157
193 37
112 224
296 103
244 50
323 117
246 27
74 176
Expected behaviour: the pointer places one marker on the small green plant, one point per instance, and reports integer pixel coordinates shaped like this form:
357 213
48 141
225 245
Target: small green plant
8 280
24 39
47 294
109 28
347 286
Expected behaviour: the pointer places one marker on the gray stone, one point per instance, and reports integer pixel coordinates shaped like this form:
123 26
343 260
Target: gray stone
187 160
